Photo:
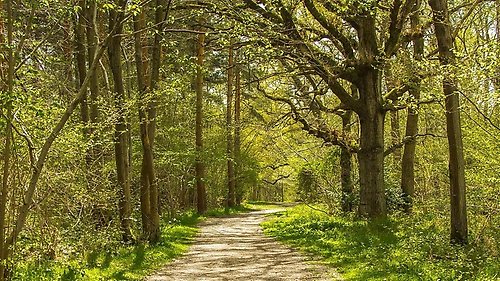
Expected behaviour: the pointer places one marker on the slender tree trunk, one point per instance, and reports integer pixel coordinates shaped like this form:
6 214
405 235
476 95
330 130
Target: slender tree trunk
4 247
408 162
237 137
120 137
444 38
141 69
199 165
23 210
160 11
81 64
496 81
231 198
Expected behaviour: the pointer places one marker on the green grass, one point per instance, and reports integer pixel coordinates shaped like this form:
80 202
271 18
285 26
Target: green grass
397 248
126 262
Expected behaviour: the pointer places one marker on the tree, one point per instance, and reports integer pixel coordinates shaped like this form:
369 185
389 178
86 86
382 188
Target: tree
116 17
345 65
408 160
237 136
199 165
442 27
231 196
6 88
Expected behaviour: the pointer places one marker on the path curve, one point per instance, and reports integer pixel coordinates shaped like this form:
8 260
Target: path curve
234 248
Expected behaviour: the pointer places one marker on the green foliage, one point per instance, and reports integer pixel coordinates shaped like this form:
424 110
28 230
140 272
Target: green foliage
126 262
396 248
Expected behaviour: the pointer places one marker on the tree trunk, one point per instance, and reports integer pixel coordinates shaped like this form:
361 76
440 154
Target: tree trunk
231 198
496 81
408 162
120 137
199 165
4 247
81 64
346 167
371 117
141 68
237 137
148 149
444 38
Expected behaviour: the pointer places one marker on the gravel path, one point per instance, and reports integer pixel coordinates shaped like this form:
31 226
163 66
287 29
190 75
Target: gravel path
234 248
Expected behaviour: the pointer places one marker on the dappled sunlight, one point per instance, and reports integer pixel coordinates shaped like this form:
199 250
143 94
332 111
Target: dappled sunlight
234 248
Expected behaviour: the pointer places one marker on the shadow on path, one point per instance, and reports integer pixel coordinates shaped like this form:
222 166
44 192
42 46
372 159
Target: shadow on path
234 248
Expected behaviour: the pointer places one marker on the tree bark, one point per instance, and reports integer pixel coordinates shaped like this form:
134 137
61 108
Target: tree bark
231 198
442 27
371 117
199 165
237 137
496 81
141 68
81 63
408 161
347 185
160 11
9 83
120 136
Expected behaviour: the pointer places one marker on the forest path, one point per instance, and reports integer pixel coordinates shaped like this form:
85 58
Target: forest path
235 248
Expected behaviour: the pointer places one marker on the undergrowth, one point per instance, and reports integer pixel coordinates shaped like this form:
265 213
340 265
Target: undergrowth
123 262
396 248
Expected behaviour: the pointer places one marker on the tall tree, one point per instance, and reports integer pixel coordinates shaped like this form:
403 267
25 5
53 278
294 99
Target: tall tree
237 135
141 63
443 32
120 136
199 165
231 197
147 115
356 56
161 11
7 112
408 161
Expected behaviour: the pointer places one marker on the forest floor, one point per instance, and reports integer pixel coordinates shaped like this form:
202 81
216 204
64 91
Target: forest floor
235 248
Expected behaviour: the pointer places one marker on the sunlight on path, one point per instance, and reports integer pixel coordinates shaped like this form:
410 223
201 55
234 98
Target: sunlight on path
235 248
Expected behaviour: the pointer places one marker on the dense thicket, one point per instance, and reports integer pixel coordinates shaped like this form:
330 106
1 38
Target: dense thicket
118 114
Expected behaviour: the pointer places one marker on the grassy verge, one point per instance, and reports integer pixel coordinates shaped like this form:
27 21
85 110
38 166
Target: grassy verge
132 262
397 248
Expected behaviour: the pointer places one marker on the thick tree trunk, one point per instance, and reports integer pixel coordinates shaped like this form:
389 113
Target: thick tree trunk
444 38
371 153
199 165
237 137
371 117
231 198
120 137
408 161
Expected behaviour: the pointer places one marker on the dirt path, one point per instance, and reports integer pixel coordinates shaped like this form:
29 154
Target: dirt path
235 248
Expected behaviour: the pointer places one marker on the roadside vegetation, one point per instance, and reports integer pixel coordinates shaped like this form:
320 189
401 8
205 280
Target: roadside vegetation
396 248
